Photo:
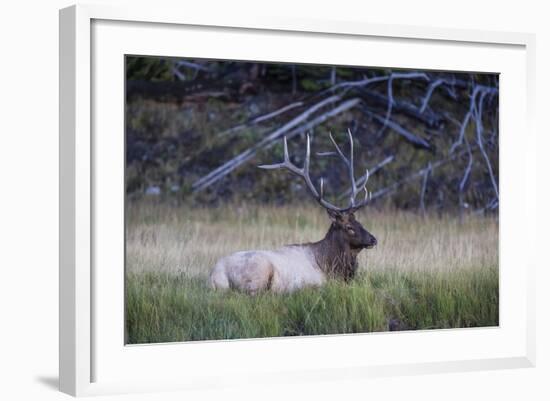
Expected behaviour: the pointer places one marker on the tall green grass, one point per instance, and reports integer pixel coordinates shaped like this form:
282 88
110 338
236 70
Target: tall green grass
426 273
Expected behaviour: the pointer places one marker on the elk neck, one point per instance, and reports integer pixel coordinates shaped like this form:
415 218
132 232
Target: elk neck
334 254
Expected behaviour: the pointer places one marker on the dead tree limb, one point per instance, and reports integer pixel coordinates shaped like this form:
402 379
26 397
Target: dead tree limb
466 174
348 104
427 172
429 117
409 136
268 141
262 118
482 91
389 103
478 112
187 64
429 93
194 66
464 180
383 78
379 166
462 131
275 113
418 174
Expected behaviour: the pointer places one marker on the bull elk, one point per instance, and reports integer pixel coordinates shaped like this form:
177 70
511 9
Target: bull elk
293 267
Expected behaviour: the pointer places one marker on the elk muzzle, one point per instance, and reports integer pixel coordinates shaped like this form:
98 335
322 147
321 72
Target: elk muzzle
371 241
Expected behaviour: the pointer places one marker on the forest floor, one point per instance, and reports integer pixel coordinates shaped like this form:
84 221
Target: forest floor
427 272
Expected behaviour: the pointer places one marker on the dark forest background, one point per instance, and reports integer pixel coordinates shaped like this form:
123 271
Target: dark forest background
196 130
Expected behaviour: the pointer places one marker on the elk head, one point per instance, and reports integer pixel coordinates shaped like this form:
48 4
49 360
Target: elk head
345 228
351 231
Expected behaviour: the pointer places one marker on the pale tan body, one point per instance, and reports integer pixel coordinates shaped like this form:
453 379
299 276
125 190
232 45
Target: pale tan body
284 270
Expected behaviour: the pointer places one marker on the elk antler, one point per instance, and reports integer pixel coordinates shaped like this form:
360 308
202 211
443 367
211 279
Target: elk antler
304 174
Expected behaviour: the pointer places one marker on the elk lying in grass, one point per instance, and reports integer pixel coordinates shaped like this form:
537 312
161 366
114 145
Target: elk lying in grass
303 265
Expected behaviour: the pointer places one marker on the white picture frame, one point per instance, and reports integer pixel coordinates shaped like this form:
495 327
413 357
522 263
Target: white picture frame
93 360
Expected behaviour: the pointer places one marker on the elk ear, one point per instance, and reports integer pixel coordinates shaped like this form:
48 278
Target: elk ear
335 216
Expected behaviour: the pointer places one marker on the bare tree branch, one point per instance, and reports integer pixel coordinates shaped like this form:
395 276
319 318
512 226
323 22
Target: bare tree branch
420 173
262 118
194 66
367 81
230 165
477 89
390 103
409 136
478 112
427 172
429 93
429 117
467 172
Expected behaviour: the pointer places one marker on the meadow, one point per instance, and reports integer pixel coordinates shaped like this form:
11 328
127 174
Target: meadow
427 272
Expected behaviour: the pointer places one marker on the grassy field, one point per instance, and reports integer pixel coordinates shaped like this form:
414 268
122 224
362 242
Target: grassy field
427 272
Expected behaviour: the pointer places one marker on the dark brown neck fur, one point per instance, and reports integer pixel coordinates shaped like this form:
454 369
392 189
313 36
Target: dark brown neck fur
334 254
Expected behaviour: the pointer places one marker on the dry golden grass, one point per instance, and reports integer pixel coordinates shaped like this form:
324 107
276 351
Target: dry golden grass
163 238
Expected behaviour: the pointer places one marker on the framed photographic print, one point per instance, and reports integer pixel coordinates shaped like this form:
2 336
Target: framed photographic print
317 200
